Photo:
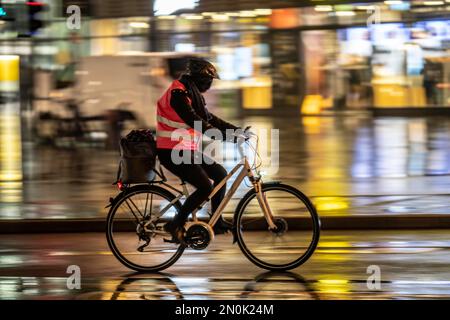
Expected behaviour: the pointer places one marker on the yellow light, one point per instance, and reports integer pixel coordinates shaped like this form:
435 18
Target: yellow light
333 281
335 244
393 2
209 14
323 8
330 204
9 68
220 17
263 12
139 25
366 8
247 14
312 104
10 157
335 286
10 176
232 14
166 17
345 13
10 184
433 3
311 125
193 17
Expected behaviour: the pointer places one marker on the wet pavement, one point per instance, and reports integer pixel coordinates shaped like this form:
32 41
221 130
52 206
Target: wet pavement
349 166
413 265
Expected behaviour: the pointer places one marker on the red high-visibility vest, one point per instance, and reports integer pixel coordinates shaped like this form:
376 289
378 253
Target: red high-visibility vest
171 131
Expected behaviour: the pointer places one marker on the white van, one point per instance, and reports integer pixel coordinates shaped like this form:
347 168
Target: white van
130 82
133 82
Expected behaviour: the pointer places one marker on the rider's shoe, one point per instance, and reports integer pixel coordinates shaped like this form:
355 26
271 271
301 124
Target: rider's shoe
176 230
222 226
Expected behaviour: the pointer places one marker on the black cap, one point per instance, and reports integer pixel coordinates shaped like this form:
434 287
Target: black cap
201 67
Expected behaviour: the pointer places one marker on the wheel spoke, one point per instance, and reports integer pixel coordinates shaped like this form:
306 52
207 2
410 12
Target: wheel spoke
136 207
125 212
151 205
278 251
252 220
123 222
131 209
146 201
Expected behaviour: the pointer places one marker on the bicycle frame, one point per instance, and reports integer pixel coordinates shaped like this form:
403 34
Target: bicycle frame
246 171
199 234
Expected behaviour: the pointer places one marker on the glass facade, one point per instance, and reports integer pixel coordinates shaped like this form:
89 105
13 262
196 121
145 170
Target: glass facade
384 65
313 59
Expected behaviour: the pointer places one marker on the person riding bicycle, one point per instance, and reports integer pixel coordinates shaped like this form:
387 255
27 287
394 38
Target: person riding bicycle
183 107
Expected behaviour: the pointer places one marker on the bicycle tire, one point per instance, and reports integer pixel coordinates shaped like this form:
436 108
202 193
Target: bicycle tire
238 218
164 193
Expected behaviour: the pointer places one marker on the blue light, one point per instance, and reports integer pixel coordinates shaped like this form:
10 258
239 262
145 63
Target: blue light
402 6
2 12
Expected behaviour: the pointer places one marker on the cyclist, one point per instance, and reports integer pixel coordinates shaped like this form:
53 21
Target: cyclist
183 107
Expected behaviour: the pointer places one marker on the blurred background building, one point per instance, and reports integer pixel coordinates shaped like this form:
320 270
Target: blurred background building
69 84
273 56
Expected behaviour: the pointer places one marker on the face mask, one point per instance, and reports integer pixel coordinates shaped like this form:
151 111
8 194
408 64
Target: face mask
203 83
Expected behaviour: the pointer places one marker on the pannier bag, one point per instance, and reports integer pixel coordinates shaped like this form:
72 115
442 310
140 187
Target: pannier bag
137 157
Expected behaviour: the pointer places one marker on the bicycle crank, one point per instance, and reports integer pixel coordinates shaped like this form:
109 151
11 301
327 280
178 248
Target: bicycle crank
198 235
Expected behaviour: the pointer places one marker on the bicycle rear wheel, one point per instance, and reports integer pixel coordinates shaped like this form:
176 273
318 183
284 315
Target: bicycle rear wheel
127 237
297 233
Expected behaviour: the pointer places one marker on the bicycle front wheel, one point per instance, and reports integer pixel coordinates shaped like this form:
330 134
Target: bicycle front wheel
297 233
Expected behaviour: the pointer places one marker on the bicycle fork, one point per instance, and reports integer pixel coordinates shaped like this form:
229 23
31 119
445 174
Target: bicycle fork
264 204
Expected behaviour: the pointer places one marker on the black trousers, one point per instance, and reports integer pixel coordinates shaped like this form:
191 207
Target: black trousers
197 174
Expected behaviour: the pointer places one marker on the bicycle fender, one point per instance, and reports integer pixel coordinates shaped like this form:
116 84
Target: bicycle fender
112 200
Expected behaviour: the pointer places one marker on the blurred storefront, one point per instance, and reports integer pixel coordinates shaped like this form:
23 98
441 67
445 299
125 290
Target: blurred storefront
389 65
298 58
354 56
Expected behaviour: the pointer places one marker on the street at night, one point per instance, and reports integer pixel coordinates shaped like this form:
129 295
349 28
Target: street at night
202 153
413 264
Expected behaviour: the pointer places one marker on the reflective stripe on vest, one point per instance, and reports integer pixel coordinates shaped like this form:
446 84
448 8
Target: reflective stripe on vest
173 124
168 122
175 135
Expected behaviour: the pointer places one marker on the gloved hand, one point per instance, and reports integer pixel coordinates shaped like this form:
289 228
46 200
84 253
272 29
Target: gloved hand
247 133
240 135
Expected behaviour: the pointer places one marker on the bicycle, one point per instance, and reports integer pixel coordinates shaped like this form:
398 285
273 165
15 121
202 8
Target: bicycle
264 230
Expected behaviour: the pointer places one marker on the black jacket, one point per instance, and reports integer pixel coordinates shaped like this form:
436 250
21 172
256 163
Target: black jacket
196 112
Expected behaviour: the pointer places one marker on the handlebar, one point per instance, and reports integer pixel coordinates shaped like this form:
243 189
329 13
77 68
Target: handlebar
243 138
245 135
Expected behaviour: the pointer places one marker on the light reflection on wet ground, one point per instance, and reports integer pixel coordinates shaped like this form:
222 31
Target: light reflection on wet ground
413 264
348 166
